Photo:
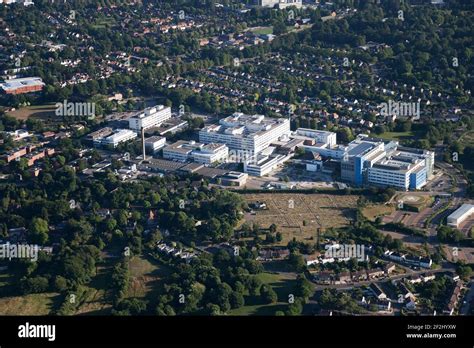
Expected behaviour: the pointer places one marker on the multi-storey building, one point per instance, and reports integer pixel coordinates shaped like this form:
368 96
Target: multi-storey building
180 150
211 153
150 117
376 161
382 163
100 133
325 137
183 151
155 143
246 133
262 165
118 137
358 159
398 174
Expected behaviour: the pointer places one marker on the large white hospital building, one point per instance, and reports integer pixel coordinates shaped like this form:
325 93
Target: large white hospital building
374 161
150 117
248 133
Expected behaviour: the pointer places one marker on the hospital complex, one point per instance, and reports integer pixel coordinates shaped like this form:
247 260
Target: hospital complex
262 144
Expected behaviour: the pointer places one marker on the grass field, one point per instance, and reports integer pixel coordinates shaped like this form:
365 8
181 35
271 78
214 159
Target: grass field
467 138
262 30
145 276
397 135
145 282
33 304
373 211
95 300
299 215
94 303
282 283
40 111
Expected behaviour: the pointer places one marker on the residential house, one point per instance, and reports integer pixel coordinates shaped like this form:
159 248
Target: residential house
343 277
389 268
375 273
377 291
359 275
324 277
453 299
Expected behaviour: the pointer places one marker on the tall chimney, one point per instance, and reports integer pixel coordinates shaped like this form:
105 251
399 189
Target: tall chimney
143 143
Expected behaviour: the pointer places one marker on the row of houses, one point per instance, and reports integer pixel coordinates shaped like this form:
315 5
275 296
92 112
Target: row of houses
404 295
175 252
453 301
273 254
409 260
329 277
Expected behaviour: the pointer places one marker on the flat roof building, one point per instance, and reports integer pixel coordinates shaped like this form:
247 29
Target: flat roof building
234 179
261 165
150 117
190 150
250 133
22 85
211 153
118 137
381 163
282 4
100 133
460 215
155 143
320 136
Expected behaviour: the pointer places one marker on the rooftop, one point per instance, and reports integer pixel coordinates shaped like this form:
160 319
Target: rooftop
239 124
22 82
153 139
149 111
464 209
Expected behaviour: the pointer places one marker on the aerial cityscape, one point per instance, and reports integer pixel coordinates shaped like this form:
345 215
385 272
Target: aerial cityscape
236 158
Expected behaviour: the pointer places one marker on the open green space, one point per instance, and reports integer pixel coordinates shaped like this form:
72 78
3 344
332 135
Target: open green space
398 135
262 30
145 277
372 212
32 304
282 283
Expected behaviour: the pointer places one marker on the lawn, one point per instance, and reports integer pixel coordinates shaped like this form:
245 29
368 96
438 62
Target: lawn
262 30
397 135
373 211
467 138
33 304
145 276
282 283
38 111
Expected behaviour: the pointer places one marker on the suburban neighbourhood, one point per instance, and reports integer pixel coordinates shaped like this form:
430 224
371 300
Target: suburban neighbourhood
239 158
